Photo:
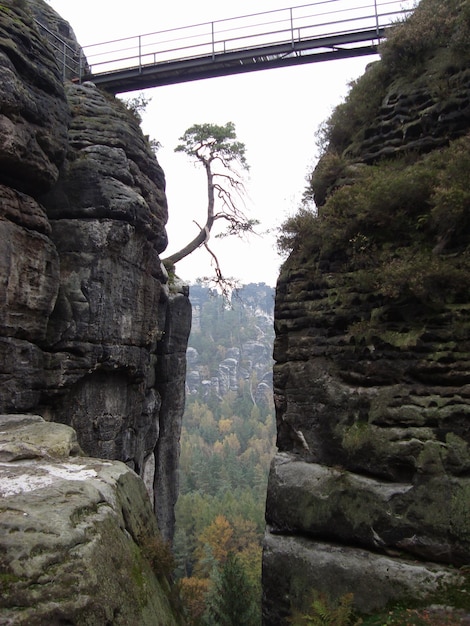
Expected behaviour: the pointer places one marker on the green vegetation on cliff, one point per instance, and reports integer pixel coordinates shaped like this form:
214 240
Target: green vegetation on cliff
426 50
392 185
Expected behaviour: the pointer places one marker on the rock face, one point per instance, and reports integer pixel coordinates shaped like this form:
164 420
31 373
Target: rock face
75 533
241 357
369 493
91 333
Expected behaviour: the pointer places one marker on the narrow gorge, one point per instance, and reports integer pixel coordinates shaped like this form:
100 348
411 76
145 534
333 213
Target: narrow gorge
369 492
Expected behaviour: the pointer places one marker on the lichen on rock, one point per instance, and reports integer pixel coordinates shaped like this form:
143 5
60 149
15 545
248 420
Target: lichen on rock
73 534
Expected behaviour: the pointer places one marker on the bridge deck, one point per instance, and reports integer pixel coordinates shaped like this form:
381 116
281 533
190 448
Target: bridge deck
229 63
322 30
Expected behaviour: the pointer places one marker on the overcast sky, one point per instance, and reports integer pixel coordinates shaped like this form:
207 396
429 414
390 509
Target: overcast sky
276 114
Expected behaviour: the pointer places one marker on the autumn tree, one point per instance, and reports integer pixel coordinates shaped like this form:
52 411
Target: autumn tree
215 543
222 156
193 593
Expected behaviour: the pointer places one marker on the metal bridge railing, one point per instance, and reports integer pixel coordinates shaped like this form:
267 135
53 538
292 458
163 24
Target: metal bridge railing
70 59
306 22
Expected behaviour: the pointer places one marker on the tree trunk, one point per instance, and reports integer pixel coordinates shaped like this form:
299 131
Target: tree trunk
204 233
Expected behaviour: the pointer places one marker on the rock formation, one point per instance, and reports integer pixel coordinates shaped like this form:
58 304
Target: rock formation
90 331
243 354
80 543
369 493
92 334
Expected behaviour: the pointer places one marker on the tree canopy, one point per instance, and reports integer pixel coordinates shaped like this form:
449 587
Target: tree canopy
222 156
210 142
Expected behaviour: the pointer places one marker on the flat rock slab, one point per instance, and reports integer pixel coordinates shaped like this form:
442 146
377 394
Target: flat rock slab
30 437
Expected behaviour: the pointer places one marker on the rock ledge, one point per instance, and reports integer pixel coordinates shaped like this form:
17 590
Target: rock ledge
73 532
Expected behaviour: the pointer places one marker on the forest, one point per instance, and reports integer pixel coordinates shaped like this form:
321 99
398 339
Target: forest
227 442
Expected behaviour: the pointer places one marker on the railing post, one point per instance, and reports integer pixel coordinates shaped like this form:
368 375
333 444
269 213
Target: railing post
140 54
291 27
64 61
377 21
213 40
80 66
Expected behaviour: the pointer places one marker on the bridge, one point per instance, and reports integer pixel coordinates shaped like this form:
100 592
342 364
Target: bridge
309 33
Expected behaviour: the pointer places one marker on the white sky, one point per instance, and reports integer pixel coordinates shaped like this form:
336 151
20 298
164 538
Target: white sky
276 114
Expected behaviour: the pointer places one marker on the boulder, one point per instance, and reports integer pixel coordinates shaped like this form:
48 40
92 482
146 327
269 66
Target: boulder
79 540
377 579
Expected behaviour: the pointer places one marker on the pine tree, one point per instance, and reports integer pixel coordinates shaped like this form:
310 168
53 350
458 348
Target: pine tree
230 601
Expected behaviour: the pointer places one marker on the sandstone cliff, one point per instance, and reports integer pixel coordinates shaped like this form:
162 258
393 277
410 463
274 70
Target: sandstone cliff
369 493
80 543
91 333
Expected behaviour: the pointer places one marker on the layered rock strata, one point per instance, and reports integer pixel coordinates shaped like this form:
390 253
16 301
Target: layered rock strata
369 493
90 331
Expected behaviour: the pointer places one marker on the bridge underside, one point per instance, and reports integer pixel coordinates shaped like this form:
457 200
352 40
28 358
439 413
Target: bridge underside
275 56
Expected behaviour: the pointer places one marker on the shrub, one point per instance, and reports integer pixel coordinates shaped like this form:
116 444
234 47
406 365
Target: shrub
159 554
450 214
422 276
323 178
384 204
297 231
325 612
433 24
361 104
402 226
460 40
137 105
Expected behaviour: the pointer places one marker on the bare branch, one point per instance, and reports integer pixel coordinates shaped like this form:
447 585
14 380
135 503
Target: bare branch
225 285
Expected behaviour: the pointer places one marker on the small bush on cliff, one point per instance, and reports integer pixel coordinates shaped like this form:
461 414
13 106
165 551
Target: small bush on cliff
409 43
434 24
360 105
137 105
159 554
385 203
325 612
421 276
450 214
402 226
324 177
298 232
